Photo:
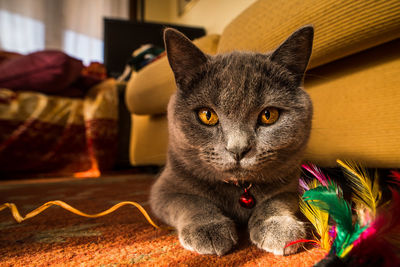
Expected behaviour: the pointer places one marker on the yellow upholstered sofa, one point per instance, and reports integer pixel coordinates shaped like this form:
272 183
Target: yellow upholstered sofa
353 78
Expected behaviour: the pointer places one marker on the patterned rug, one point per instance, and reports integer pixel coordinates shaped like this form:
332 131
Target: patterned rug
57 237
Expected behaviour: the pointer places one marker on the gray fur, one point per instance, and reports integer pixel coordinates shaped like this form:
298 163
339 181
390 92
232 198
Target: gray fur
190 193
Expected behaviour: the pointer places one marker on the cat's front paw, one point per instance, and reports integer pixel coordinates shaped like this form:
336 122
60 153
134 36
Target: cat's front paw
210 238
274 233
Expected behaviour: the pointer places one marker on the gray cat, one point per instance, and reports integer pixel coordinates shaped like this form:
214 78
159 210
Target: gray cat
238 126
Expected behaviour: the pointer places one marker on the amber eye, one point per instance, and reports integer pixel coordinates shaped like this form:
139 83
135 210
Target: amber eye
208 116
268 116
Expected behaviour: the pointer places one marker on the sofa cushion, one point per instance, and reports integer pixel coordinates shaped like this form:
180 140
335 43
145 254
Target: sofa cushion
356 109
149 90
341 27
149 138
48 72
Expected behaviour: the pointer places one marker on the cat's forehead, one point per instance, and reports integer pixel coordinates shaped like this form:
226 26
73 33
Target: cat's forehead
239 61
243 80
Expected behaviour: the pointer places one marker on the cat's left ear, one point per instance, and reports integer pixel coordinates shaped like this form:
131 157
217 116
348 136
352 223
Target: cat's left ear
295 52
184 57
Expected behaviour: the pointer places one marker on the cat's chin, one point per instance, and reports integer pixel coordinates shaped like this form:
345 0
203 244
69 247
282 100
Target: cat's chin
238 173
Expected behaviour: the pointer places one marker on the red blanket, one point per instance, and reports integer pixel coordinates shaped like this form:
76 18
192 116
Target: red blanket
41 133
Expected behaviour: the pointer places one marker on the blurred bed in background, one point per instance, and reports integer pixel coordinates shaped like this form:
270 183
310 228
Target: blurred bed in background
56 115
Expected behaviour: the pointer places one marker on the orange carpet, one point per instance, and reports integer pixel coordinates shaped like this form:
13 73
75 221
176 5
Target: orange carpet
58 238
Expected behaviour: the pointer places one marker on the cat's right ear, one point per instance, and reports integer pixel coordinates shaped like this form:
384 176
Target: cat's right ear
295 52
183 56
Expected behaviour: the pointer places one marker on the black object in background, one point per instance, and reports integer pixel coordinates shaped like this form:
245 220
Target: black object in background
122 37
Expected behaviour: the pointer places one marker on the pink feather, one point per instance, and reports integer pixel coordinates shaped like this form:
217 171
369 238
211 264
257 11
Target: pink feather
318 174
380 243
396 176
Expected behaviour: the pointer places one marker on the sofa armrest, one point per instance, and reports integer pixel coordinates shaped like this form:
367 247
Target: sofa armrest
148 91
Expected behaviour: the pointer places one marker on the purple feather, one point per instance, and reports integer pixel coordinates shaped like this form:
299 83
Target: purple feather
303 185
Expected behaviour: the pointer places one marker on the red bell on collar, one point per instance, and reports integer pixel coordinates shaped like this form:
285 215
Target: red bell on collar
246 200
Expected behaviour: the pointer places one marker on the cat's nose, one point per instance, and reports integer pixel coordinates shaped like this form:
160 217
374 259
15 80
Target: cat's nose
238 152
238 144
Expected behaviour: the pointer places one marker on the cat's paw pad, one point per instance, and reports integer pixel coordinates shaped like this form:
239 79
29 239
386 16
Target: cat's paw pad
274 233
211 238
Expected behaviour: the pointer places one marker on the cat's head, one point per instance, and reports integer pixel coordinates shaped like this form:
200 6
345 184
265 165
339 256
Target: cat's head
240 115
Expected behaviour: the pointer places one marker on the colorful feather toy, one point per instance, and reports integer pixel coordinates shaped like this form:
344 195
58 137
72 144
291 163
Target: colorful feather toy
373 239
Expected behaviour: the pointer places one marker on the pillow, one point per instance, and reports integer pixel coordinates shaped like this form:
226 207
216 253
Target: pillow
48 72
4 56
94 74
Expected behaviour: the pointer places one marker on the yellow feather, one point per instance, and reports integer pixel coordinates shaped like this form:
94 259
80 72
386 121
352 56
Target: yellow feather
367 193
318 218
346 251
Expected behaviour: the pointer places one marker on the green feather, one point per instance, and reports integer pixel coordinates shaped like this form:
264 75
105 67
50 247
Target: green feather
327 198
